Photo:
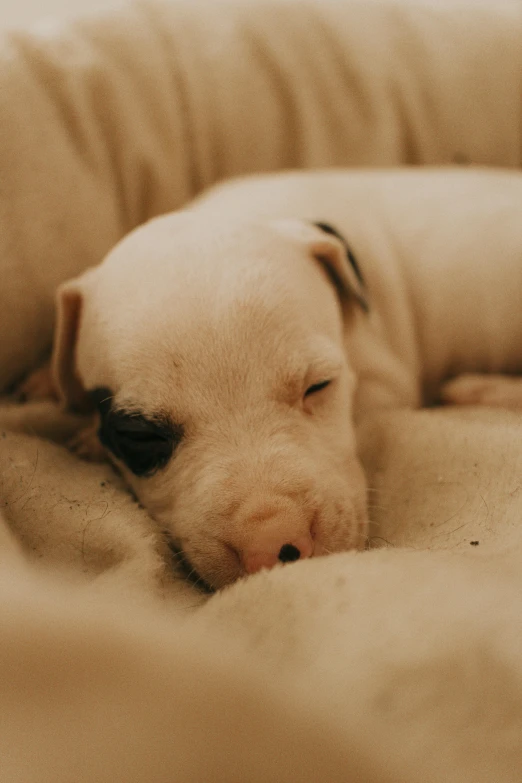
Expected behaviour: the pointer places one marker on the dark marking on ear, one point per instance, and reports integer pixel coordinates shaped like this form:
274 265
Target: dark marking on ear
144 444
328 229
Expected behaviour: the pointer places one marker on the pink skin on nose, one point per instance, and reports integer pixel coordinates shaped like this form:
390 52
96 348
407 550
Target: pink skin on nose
280 552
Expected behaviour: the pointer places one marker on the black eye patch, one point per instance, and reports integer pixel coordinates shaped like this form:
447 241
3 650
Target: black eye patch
143 444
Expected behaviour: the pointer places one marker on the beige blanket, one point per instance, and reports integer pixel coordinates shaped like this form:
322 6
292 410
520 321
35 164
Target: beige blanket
401 664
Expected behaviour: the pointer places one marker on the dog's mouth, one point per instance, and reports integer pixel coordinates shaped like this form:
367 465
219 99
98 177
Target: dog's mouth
182 565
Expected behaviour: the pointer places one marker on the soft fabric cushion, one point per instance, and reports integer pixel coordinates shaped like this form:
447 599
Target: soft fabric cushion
401 664
117 118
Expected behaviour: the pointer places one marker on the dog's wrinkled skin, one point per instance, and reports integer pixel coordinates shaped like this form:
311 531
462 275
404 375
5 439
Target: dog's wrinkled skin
206 338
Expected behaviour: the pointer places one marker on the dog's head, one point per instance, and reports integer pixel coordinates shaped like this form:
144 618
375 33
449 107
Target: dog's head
216 361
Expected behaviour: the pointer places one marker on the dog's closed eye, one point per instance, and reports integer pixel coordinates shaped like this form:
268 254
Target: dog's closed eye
317 387
143 444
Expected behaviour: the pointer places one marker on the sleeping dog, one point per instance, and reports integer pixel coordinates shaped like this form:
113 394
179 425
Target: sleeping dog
231 350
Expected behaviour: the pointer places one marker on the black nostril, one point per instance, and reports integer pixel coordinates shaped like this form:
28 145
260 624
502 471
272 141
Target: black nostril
289 553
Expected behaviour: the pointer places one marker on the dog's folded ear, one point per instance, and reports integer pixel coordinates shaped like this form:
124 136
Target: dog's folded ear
69 302
330 248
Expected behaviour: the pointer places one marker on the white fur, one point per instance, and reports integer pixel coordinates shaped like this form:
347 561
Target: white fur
224 337
219 318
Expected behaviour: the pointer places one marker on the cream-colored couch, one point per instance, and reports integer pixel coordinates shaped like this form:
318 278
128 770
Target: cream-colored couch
401 664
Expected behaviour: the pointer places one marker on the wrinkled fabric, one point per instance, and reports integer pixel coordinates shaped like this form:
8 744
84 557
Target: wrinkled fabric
401 664
116 118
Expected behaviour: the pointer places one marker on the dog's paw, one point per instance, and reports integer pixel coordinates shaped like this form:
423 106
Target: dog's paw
86 445
499 391
38 385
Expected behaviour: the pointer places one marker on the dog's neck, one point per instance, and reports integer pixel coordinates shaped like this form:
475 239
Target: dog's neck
467 314
431 321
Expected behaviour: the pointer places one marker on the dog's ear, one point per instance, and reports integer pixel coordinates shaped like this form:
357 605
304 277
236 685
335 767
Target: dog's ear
331 249
69 303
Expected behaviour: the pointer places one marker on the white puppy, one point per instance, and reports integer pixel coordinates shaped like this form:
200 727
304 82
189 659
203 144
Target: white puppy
231 348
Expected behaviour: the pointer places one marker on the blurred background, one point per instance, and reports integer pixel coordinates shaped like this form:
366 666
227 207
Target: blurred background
22 12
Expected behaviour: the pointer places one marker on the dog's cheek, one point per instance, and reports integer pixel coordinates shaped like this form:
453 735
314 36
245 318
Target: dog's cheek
333 425
155 493
178 496
341 480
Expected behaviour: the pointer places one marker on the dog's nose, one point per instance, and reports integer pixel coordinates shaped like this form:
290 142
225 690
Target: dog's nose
276 551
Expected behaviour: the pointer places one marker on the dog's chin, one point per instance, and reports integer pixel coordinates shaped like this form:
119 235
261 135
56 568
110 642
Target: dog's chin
348 535
183 566
205 563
